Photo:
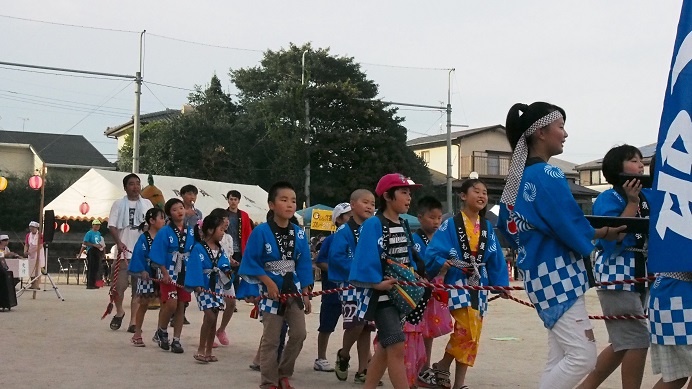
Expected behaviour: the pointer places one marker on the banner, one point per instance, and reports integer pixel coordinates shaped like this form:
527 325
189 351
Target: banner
321 220
670 232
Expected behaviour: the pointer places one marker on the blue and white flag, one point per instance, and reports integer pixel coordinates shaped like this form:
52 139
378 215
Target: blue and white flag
670 244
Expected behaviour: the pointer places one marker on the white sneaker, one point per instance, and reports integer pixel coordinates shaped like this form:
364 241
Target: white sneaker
322 365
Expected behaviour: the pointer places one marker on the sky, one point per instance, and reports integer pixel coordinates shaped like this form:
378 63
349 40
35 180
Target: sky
605 62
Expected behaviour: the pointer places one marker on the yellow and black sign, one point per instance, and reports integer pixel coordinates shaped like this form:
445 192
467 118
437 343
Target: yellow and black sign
321 220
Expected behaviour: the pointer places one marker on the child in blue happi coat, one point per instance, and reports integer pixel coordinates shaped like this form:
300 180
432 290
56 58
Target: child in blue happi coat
145 270
170 250
553 239
277 257
616 261
356 329
394 191
467 247
207 272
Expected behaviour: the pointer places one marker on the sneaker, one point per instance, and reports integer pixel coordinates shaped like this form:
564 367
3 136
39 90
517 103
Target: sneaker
162 339
255 367
223 338
155 338
322 365
341 368
176 347
360 378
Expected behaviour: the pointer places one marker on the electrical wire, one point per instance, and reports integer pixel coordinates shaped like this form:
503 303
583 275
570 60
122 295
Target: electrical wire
169 86
68 25
60 74
156 97
206 44
52 99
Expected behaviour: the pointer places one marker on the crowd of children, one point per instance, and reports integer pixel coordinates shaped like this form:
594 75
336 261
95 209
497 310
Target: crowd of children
370 252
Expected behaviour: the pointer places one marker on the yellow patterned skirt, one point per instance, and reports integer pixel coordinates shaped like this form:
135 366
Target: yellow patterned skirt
463 342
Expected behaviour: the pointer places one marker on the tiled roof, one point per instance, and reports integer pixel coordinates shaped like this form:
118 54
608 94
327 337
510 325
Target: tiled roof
60 149
427 140
648 151
166 115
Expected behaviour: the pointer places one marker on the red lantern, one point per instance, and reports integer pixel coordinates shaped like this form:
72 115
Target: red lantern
84 208
65 228
35 182
55 225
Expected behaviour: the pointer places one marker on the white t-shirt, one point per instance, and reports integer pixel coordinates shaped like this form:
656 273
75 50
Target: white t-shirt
130 234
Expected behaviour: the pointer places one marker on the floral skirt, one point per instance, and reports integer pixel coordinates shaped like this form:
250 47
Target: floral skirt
463 343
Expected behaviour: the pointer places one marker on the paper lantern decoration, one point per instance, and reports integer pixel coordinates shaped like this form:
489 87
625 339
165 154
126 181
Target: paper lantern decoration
3 183
55 225
35 182
65 228
84 208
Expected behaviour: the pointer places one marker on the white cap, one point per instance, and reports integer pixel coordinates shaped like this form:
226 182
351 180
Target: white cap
4 237
34 224
340 210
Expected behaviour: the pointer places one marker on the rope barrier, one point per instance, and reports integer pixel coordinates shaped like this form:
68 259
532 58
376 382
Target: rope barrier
113 292
592 317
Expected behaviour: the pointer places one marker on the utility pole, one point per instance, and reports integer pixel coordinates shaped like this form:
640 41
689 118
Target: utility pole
450 206
307 133
24 120
135 117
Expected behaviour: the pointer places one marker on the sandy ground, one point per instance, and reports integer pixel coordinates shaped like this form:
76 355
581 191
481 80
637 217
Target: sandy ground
48 343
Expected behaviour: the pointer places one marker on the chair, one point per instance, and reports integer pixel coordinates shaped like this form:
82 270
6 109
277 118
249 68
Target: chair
64 269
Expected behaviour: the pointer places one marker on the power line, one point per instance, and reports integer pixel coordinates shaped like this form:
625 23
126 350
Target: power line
61 106
169 86
60 74
156 97
206 44
68 25
51 99
403 67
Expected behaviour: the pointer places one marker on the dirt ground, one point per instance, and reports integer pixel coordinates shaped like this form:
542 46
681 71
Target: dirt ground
48 343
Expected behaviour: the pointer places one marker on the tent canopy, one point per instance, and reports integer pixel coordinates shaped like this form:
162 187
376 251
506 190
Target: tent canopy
100 188
308 211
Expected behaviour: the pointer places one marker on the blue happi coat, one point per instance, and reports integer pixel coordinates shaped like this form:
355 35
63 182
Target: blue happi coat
670 311
366 269
341 253
262 248
419 245
197 263
552 237
445 245
165 244
140 257
613 263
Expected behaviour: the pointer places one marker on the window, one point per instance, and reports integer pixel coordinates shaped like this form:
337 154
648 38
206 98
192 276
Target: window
425 156
595 177
493 164
584 177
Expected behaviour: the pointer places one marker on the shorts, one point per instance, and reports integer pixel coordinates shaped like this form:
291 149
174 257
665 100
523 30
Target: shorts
170 291
672 362
349 309
329 316
390 329
124 278
625 334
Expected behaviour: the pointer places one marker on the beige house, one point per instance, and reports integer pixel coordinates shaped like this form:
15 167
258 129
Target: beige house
486 151
64 155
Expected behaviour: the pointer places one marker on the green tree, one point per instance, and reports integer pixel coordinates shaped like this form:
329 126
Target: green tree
353 140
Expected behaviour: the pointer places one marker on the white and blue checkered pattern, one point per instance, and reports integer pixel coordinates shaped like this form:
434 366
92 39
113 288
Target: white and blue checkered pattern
615 268
670 322
208 301
145 287
171 268
556 281
349 294
460 298
364 297
269 305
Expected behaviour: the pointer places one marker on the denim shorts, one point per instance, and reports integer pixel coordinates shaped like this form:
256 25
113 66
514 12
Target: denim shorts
390 328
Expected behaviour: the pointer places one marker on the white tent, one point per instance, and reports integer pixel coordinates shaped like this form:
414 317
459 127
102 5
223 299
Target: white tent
100 188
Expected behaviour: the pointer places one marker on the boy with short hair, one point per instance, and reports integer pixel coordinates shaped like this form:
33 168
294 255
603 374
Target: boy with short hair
277 257
239 228
341 254
330 309
189 195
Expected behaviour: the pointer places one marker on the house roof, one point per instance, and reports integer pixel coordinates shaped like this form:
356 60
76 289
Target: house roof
435 140
166 115
58 149
566 166
648 151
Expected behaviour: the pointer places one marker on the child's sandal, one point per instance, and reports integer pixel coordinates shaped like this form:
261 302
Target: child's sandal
442 378
200 358
212 358
137 341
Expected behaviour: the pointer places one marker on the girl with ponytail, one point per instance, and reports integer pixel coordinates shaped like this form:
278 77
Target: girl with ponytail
208 273
554 240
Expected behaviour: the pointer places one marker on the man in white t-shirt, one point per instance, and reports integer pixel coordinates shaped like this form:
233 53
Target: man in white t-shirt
127 214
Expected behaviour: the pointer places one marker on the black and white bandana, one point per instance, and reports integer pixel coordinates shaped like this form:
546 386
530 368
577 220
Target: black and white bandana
521 152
